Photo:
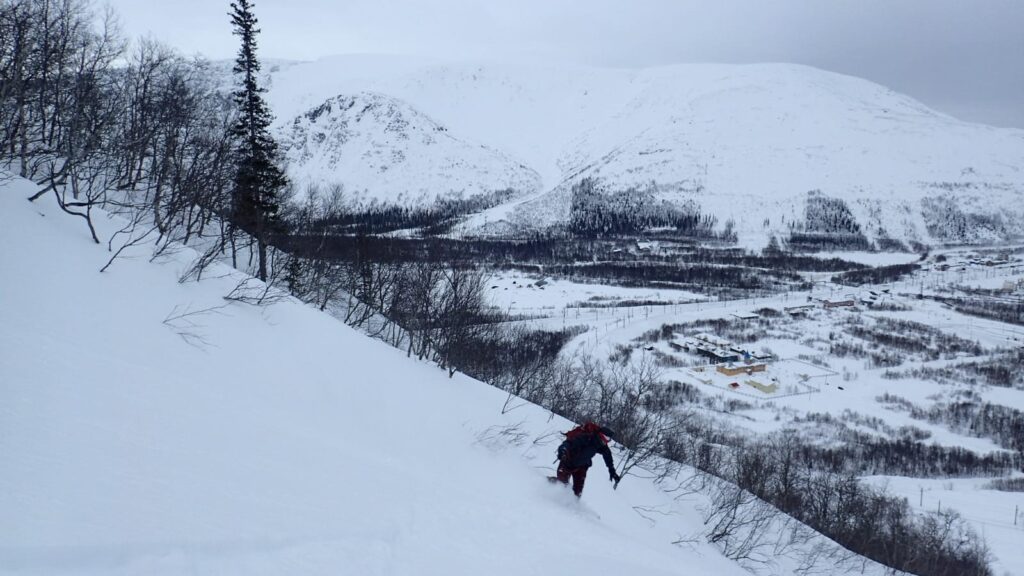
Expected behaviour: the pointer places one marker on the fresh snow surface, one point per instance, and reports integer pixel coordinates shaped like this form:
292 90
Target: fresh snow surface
270 440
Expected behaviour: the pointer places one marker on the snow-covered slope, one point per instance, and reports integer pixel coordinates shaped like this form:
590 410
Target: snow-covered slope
381 148
148 427
747 143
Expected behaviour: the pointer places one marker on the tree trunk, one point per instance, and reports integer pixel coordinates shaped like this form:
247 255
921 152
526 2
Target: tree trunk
263 259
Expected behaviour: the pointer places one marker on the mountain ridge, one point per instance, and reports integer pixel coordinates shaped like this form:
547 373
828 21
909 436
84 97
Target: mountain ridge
748 143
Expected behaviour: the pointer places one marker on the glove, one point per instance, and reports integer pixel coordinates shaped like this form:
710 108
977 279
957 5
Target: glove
563 452
614 476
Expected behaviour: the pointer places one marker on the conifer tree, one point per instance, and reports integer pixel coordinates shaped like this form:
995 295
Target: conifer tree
259 179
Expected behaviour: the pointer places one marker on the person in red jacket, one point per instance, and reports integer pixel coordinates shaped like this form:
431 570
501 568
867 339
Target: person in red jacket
576 453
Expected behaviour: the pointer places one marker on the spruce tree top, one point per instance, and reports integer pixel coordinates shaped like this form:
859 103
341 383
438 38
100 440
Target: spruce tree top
244 22
255 116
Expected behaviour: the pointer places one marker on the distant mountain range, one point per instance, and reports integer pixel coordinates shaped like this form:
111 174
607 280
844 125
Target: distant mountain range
769 149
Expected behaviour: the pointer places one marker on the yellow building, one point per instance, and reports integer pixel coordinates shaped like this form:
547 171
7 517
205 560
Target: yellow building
735 369
766 388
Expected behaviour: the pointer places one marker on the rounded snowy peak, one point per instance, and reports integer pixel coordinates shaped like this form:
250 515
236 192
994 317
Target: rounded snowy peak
382 148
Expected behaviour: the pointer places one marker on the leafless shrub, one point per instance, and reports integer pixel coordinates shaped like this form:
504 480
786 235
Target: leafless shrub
184 321
498 438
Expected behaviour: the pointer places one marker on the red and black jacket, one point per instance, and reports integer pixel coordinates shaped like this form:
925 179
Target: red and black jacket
580 446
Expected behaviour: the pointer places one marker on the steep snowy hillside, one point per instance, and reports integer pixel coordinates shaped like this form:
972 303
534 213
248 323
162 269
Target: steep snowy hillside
748 143
383 149
150 427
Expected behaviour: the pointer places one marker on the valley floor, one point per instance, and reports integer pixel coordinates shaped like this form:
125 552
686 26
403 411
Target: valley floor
813 381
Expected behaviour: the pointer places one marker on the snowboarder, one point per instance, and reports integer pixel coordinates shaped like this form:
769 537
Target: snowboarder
577 451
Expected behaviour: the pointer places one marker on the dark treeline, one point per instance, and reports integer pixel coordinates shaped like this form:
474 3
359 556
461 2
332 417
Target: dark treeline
349 248
595 212
888 343
511 356
826 215
877 275
892 245
1000 308
696 276
586 260
828 224
1000 369
865 455
739 331
912 337
432 219
542 249
1007 484
797 262
1002 424
823 241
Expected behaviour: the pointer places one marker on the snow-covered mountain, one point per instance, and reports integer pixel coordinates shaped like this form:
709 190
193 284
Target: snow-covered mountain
381 148
750 143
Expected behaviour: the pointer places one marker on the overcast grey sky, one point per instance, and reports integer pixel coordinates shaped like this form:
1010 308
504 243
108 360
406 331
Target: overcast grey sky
963 57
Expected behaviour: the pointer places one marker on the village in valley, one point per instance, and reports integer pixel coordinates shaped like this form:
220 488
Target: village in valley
834 363
786 344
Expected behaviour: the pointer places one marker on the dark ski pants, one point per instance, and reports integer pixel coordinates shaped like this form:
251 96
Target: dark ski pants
579 476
